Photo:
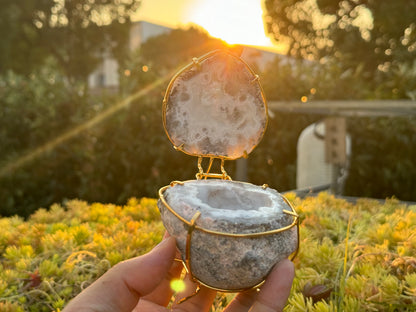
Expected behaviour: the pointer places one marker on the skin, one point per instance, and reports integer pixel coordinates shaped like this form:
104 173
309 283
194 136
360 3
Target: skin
143 284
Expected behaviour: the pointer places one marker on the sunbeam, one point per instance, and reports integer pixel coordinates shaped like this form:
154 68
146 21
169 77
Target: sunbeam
22 160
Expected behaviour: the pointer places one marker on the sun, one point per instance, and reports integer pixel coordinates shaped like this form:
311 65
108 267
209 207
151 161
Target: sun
234 21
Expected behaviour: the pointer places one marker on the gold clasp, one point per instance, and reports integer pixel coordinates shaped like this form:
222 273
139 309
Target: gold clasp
255 79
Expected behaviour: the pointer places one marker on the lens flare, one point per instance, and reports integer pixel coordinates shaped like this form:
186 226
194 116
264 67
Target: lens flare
23 160
177 285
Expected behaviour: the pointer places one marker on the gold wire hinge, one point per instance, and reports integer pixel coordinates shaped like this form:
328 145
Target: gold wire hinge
204 175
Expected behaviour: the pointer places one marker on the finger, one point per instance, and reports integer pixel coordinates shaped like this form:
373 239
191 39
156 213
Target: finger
145 305
178 254
275 291
242 302
163 292
200 302
272 295
121 287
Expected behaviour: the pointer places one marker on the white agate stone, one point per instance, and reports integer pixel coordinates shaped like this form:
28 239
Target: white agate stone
216 108
220 261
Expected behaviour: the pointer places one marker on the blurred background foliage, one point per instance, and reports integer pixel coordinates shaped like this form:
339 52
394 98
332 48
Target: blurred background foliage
44 94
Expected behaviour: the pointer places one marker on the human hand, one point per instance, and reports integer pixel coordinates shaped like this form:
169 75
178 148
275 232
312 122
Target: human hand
143 284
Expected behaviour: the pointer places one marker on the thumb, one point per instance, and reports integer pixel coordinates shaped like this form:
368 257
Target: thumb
122 286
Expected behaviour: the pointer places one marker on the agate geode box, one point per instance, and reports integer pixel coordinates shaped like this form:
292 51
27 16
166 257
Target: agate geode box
230 234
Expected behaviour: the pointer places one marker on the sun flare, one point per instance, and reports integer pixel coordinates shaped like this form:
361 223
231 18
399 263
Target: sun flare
234 21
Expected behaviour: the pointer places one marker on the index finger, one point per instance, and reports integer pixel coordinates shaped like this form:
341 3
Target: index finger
273 294
122 286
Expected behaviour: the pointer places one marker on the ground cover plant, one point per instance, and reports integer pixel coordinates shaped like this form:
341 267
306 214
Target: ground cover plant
353 256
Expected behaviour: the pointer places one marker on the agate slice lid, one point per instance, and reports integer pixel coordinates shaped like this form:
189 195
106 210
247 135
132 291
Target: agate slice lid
215 107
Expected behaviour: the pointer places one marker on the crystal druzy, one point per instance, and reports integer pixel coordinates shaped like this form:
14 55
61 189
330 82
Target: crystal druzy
216 107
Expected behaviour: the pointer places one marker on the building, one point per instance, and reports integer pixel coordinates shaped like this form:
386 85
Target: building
106 75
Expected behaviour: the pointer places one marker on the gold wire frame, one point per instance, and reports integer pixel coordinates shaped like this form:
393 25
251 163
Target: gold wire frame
192 226
197 62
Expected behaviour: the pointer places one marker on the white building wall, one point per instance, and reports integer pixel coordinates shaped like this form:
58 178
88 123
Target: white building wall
106 74
257 57
111 68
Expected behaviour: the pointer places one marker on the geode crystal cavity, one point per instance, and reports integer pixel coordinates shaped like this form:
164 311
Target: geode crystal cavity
215 107
221 261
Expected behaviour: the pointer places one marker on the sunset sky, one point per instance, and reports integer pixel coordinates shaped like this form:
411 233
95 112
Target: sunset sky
235 21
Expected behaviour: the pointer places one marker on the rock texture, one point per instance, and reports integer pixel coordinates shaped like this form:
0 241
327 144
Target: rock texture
220 261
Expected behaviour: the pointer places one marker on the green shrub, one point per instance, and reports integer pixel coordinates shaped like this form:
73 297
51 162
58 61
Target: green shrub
353 256
382 160
34 112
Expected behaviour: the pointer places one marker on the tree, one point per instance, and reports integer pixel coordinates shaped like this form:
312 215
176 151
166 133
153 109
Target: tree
167 51
163 54
19 50
75 32
377 35
354 49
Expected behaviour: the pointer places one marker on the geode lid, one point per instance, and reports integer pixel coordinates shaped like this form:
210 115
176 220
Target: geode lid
215 107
